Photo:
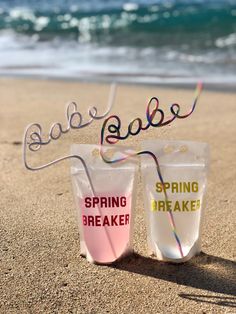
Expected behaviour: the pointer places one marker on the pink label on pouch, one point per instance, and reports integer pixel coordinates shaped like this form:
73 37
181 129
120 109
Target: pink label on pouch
106 226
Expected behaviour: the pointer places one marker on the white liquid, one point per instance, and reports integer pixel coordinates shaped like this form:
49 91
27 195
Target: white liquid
187 229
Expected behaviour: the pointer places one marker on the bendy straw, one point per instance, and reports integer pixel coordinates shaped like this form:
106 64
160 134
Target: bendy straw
115 136
33 136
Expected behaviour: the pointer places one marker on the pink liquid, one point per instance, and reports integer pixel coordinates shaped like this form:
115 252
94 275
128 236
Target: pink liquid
106 230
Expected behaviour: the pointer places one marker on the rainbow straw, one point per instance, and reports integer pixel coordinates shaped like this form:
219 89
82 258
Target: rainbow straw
175 110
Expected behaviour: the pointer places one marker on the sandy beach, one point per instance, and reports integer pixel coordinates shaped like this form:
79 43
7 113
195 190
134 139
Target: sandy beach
41 270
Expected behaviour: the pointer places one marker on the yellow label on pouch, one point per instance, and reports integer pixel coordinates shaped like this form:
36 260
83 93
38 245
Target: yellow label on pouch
187 205
177 187
175 206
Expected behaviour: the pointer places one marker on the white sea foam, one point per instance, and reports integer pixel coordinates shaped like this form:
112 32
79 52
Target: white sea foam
27 55
23 13
130 6
227 41
41 22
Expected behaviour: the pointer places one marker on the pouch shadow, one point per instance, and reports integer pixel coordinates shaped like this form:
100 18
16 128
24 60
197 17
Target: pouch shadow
211 299
207 272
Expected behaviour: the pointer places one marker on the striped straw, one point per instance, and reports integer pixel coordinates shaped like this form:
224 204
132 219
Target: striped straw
175 110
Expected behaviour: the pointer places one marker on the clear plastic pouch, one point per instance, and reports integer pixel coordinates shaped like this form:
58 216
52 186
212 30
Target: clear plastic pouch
105 204
183 166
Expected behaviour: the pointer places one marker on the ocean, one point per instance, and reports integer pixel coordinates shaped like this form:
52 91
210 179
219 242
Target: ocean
173 41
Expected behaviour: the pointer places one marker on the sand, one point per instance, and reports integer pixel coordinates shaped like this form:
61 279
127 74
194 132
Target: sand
41 270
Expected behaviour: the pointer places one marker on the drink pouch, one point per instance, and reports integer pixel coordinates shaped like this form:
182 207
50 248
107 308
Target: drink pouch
174 209
104 202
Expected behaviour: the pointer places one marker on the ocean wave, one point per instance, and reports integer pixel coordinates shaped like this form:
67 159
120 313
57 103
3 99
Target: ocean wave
199 24
145 39
61 52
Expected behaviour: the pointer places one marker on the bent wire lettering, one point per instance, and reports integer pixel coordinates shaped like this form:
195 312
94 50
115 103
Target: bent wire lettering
114 135
33 134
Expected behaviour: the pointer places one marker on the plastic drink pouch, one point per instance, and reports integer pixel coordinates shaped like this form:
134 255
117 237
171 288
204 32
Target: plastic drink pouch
104 197
174 204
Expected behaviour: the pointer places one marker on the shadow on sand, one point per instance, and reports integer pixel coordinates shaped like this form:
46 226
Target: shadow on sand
211 299
207 272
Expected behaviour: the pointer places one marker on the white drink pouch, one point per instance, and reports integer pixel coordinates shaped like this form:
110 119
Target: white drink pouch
104 199
174 203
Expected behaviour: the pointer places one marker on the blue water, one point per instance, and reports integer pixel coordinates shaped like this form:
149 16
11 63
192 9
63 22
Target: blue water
146 41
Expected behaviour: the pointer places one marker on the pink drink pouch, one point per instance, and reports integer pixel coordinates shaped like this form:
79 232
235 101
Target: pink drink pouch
183 166
105 204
